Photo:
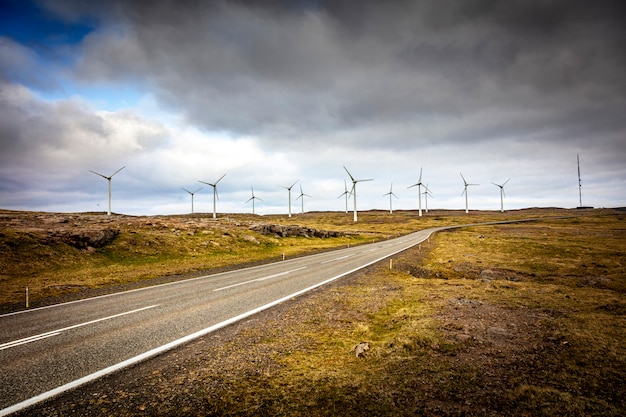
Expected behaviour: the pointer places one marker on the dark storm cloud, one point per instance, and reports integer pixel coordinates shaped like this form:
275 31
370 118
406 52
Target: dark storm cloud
287 72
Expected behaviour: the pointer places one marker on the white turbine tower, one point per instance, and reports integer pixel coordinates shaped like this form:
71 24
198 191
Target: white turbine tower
109 181
302 195
502 194
253 198
465 185
426 194
419 191
215 196
346 192
191 196
353 190
390 193
289 190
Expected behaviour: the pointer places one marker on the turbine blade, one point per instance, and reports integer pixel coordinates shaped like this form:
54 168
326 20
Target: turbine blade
464 182
350 175
293 184
197 190
117 171
420 178
207 183
220 179
97 173
506 182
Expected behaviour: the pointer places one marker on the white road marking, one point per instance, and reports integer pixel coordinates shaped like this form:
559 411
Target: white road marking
28 340
336 259
41 336
259 279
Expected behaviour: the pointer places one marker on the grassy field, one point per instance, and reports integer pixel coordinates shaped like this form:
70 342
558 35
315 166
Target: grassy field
158 246
525 319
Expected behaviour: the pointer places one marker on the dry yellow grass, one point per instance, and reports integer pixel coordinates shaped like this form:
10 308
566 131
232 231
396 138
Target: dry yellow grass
520 319
150 247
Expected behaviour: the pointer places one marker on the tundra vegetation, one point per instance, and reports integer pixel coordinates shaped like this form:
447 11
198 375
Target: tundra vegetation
517 319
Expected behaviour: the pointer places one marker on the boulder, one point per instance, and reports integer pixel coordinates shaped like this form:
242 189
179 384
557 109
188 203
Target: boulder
293 231
361 348
83 239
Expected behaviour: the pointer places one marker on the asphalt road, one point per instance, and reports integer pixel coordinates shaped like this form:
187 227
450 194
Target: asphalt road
49 350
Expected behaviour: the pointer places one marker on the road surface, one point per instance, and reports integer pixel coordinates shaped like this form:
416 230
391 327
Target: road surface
49 350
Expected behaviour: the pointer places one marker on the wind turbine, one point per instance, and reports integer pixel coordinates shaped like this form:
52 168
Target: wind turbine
345 193
502 194
215 196
390 193
419 191
253 198
302 195
466 184
109 180
191 196
289 189
426 193
353 190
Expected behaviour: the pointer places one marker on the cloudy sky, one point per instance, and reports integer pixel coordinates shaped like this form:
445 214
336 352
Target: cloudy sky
273 92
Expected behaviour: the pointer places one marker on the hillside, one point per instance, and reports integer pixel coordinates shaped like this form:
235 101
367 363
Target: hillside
518 319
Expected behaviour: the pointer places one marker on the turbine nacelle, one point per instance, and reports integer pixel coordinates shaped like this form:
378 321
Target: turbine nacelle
110 176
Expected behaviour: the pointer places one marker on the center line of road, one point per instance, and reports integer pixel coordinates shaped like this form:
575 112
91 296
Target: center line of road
336 259
259 279
41 336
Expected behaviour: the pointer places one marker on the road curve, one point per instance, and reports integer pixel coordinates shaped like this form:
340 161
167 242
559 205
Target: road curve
49 350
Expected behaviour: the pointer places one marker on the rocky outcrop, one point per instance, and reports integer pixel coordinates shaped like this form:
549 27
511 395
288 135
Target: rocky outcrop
294 231
83 239
79 230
